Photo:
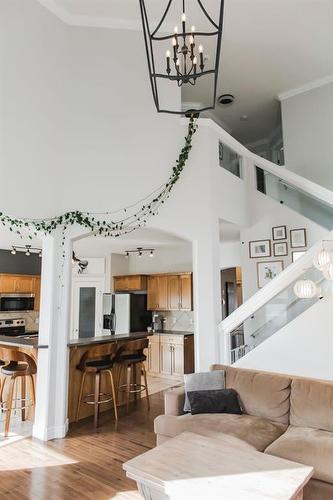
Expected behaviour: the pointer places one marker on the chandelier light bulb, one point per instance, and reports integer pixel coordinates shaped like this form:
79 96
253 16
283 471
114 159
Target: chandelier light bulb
176 30
191 40
174 42
168 54
305 289
323 259
126 255
40 255
200 49
151 253
140 254
13 252
27 253
195 60
183 17
193 29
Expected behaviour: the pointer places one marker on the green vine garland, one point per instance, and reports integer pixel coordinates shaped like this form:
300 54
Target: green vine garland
129 218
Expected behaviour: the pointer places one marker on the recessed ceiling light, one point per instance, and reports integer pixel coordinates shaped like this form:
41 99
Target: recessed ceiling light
226 99
244 117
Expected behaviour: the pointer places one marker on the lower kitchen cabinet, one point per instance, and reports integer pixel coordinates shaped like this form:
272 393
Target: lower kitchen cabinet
170 355
153 355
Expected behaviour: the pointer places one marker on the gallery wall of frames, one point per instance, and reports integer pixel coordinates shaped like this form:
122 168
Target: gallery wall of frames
273 253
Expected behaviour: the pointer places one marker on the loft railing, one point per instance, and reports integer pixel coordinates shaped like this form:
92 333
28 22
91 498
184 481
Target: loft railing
270 309
309 192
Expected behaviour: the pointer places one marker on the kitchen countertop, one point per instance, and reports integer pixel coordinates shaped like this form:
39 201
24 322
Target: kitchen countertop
21 342
105 339
173 332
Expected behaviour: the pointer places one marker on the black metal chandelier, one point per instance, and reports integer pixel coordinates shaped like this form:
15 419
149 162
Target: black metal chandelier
185 62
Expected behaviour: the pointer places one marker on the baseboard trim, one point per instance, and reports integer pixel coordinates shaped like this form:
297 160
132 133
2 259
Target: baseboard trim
46 433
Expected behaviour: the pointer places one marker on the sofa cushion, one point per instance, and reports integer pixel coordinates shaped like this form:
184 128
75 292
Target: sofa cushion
222 401
309 447
318 490
262 394
311 404
212 380
256 431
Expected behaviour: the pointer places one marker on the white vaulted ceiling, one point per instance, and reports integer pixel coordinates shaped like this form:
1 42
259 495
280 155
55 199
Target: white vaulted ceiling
269 47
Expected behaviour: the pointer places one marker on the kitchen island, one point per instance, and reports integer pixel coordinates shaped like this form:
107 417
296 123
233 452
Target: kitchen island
77 348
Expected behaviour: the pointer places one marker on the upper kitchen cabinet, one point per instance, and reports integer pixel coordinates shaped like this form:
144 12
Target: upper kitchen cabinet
186 293
157 293
132 283
21 283
170 292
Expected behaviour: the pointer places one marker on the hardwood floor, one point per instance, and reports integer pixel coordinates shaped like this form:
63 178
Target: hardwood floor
84 465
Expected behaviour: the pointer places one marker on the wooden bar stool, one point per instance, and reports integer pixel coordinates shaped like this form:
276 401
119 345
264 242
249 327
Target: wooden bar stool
97 361
18 365
129 356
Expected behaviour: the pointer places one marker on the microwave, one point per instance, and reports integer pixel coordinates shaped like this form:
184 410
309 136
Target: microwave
12 302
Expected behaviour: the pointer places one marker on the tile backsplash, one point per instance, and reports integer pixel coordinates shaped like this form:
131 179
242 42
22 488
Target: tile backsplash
30 317
179 320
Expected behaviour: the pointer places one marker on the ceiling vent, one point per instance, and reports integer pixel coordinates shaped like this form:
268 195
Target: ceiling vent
226 99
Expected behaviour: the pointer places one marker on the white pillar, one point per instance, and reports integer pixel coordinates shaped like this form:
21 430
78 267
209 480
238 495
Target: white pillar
52 374
207 297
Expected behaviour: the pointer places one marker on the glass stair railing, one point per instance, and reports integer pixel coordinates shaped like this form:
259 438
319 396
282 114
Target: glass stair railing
302 202
280 310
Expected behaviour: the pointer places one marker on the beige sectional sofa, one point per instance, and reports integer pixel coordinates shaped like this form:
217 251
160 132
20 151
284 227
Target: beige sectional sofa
285 416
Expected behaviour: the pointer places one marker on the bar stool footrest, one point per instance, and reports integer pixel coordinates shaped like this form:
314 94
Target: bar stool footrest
136 388
100 401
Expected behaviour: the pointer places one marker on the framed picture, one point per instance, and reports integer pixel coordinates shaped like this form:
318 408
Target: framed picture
279 233
297 254
280 249
298 238
266 271
261 248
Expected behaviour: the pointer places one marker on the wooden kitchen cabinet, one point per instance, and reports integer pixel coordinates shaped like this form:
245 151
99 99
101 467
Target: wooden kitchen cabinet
157 290
153 355
130 283
170 292
173 293
176 354
36 291
21 283
186 295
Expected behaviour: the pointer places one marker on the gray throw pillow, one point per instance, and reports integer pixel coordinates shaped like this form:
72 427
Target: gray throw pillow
203 382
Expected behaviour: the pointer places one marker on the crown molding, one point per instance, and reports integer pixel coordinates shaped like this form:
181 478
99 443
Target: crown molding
305 88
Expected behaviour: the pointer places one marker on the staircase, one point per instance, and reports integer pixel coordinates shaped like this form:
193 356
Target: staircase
271 309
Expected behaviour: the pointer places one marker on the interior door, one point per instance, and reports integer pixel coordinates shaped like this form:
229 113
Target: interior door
87 308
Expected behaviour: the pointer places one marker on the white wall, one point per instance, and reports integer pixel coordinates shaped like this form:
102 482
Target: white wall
78 127
307 121
304 347
176 258
230 254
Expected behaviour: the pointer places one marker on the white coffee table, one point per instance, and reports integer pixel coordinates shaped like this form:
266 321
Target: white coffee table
217 467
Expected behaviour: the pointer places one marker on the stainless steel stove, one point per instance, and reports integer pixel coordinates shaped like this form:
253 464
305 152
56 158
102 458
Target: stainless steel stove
13 327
